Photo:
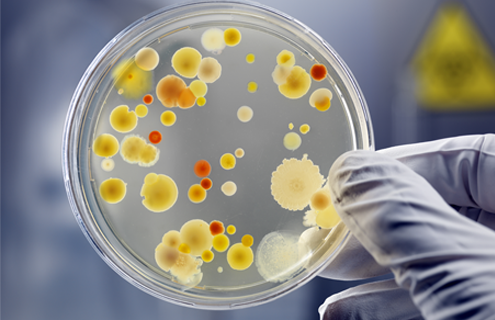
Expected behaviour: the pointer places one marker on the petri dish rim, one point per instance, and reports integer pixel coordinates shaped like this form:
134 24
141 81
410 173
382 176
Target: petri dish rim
75 140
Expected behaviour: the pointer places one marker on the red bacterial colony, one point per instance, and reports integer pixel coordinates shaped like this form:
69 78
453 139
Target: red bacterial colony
155 137
216 227
147 99
206 183
318 72
202 168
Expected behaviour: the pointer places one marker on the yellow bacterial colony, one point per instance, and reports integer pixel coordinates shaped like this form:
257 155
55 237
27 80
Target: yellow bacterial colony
286 59
105 145
304 128
212 40
227 161
240 257
320 99
245 114
322 213
147 59
207 256
159 191
294 182
296 84
201 101
113 190
186 62
172 239
231 229
130 80
239 153
221 242
247 240
209 70
196 234
229 188
135 149
232 37
141 111
168 118
252 87
292 141
198 88
250 58
196 193
108 165
122 120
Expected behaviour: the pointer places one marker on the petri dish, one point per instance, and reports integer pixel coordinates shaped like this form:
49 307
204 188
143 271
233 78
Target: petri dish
242 197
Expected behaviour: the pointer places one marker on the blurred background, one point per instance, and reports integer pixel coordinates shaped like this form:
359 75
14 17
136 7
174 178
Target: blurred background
421 82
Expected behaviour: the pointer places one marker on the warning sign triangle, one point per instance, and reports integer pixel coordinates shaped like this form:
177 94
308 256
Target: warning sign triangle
454 66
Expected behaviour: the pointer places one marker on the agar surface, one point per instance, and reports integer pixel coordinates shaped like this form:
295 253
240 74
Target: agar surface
295 184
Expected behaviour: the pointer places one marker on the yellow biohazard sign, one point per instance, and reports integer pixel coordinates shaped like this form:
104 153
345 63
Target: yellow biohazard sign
454 66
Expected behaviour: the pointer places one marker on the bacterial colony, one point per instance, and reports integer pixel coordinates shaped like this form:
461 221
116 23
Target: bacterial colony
295 183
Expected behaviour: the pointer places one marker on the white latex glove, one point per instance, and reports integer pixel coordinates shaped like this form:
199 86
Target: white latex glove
425 212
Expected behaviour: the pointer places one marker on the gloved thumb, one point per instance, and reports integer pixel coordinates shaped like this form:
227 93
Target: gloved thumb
445 260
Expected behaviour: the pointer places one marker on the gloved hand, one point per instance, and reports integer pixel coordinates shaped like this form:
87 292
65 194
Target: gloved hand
425 212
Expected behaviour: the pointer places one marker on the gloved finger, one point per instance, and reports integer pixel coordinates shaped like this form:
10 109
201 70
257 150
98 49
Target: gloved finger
461 169
377 300
445 260
353 262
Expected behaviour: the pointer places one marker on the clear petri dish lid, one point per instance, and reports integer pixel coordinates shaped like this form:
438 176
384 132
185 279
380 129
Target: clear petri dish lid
212 118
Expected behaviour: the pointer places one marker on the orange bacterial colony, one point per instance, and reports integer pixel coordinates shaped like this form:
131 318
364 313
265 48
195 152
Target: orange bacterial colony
318 72
216 227
148 99
185 75
206 183
202 168
155 137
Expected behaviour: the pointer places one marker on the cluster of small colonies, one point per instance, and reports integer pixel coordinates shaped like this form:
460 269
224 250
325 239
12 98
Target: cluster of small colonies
179 251
135 149
159 191
322 213
122 120
197 192
293 81
215 40
294 182
113 190
188 62
320 99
